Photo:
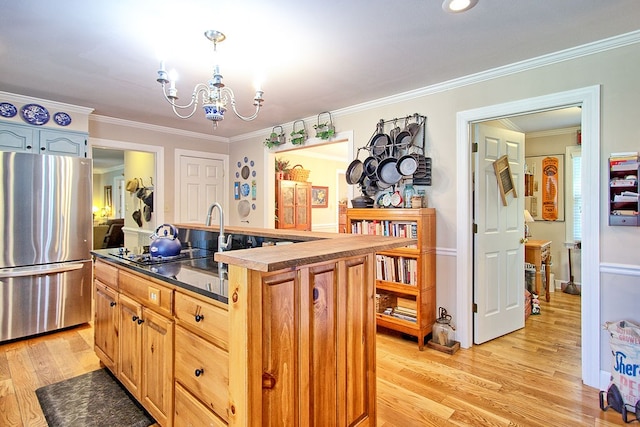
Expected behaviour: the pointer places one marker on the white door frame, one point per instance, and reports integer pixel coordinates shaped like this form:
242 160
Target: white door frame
589 99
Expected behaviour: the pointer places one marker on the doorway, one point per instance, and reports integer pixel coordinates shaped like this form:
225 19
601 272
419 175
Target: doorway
134 235
589 99
337 153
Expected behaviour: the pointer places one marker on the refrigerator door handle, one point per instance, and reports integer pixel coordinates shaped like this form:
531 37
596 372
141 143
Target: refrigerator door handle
39 270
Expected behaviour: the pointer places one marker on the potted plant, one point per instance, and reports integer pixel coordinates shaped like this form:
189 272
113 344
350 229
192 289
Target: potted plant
282 168
298 136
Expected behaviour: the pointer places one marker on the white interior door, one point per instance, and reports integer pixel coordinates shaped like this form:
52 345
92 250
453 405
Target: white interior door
498 274
201 183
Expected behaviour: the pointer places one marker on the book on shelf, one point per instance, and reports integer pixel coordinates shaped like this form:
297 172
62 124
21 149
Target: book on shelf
623 182
625 166
391 312
407 303
620 198
397 269
623 154
625 212
405 311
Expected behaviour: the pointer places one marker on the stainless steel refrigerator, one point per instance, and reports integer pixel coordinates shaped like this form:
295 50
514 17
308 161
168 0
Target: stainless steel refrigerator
45 239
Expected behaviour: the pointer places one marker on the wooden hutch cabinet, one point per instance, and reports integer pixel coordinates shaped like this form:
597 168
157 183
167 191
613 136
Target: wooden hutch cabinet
293 205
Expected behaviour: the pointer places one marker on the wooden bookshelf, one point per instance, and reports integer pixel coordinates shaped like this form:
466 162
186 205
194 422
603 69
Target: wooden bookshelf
406 277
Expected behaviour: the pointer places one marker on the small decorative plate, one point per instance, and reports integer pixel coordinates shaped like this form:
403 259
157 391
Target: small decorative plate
244 209
63 119
34 114
396 199
7 110
245 189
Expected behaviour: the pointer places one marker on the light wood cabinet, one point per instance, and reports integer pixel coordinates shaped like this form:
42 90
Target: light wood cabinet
293 205
134 336
405 277
157 366
106 315
295 345
190 412
130 366
201 359
304 342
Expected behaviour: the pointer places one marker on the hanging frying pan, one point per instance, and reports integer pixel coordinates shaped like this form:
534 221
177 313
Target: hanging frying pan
414 128
393 133
403 138
387 171
380 142
370 166
407 164
355 172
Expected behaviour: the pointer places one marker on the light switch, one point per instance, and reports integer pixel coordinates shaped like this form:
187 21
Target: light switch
154 295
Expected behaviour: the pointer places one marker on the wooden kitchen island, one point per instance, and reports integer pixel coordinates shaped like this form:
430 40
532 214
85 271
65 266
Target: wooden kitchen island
292 342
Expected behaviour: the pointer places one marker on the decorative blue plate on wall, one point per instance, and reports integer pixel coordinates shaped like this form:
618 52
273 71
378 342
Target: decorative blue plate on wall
7 110
63 119
245 189
34 114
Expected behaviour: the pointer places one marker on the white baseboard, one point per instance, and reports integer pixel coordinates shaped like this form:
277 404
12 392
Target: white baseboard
605 380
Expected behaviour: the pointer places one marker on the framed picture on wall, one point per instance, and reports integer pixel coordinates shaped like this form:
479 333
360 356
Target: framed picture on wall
546 202
319 197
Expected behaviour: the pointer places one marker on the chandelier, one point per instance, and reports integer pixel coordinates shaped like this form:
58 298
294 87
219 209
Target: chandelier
215 95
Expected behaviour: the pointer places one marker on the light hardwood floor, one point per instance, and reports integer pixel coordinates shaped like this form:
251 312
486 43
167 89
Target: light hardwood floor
528 378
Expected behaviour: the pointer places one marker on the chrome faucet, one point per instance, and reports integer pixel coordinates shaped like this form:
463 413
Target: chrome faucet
223 244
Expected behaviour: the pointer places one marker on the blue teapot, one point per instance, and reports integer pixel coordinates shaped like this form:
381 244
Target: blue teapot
165 241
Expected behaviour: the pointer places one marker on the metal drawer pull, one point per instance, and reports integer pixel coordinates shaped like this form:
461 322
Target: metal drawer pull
199 372
199 317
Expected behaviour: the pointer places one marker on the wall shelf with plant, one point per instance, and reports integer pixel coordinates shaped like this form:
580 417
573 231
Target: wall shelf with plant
325 130
276 137
298 136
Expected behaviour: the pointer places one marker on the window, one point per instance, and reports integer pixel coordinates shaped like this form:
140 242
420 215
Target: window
574 198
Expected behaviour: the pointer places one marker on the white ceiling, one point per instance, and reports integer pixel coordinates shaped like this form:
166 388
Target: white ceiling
315 56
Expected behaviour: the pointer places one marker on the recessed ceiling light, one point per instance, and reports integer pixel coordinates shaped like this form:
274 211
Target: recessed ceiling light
456 6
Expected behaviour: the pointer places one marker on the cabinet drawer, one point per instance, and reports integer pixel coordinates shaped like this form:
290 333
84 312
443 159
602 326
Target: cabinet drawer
623 220
146 292
206 318
106 273
203 369
189 412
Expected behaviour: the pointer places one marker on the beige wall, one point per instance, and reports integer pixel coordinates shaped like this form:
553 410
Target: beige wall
616 71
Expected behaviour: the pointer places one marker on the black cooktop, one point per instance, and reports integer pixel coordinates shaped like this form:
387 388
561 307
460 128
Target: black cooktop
140 255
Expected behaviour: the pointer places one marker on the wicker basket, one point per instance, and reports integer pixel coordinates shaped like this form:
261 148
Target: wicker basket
298 173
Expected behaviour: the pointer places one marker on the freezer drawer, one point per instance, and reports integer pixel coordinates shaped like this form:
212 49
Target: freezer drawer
44 298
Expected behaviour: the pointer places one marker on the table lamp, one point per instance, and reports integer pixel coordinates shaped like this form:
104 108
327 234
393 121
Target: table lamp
527 219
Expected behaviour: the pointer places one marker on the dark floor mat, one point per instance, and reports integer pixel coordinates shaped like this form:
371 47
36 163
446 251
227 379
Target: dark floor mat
95 399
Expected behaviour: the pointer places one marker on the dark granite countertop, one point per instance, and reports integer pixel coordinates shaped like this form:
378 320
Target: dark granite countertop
198 275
